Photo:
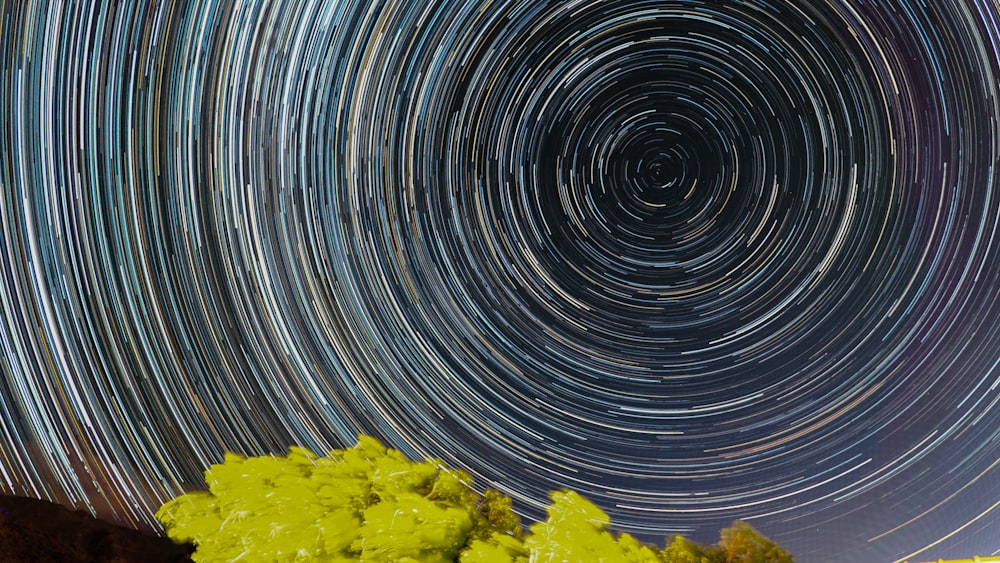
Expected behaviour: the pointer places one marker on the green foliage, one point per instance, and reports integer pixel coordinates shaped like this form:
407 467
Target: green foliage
412 526
365 504
741 543
496 516
370 504
683 550
576 530
499 548
635 551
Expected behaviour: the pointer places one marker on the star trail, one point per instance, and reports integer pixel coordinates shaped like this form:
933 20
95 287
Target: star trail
698 261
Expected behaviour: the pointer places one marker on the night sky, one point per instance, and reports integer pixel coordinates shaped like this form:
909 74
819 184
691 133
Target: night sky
696 260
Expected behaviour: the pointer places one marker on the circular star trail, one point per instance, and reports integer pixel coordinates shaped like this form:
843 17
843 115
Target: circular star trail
697 261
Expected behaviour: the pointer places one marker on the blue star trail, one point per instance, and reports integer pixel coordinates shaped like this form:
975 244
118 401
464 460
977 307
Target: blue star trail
698 261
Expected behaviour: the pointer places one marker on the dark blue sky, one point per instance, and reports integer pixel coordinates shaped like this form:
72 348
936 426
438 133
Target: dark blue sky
696 261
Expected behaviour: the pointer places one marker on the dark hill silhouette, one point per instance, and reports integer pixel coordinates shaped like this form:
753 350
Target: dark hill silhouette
37 531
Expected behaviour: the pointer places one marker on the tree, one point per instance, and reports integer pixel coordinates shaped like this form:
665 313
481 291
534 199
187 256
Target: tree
576 530
254 506
683 550
366 503
413 528
741 543
370 504
496 516
499 548
635 551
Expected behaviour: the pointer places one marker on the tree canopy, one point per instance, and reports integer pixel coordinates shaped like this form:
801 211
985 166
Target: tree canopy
370 504
740 543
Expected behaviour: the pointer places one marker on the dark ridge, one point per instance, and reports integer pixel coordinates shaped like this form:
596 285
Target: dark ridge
37 531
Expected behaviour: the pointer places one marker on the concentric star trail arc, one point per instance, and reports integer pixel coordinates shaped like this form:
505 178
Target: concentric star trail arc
698 261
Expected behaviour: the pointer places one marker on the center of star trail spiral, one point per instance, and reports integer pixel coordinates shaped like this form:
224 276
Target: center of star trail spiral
699 261
653 197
